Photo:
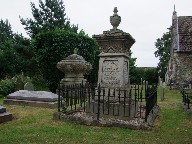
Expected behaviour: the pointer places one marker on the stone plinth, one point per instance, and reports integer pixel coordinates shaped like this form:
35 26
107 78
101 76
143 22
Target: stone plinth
116 110
4 116
42 104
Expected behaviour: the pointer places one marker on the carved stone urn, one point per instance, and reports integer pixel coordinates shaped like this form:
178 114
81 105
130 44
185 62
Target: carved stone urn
74 67
115 19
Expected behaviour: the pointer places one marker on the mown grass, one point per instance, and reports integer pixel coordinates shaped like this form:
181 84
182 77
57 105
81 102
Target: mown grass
35 125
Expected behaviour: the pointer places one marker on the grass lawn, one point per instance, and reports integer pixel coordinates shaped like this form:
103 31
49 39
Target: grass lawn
35 125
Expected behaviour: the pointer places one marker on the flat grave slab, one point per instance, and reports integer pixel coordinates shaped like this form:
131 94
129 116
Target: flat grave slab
32 98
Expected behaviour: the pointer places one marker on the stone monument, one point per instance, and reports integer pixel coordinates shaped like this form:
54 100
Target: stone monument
114 55
114 69
74 67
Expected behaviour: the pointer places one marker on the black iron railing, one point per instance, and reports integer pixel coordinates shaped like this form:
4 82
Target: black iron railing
187 98
136 101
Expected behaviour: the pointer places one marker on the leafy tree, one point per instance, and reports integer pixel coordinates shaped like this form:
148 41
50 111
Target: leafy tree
25 51
8 54
50 15
15 51
52 46
132 68
5 31
163 46
146 73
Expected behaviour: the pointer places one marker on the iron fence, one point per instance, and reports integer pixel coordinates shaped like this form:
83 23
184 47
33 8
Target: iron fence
136 101
187 98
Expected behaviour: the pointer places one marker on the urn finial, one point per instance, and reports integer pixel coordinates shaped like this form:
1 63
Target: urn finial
115 20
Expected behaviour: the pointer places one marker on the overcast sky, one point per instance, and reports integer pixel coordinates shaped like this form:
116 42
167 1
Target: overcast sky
145 20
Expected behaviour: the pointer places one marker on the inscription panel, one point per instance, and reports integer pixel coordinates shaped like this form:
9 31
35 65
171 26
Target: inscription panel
110 72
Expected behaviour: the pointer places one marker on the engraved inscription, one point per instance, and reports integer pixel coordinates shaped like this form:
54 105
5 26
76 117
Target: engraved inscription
110 72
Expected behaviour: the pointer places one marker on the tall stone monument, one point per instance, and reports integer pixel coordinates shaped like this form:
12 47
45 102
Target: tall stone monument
113 75
114 55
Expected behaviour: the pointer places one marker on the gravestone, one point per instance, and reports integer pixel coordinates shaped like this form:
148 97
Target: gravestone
114 64
29 86
4 116
114 55
32 98
19 84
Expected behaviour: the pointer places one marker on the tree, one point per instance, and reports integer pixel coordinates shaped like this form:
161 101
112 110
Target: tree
15 52
54 45
132 68
25 51
163 46
8 54
50 15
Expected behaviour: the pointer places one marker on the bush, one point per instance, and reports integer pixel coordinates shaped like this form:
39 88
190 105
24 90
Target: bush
7 86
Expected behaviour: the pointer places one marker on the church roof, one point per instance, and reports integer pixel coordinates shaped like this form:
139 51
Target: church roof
185 33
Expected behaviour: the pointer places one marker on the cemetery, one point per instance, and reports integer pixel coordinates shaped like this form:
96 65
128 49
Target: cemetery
83 90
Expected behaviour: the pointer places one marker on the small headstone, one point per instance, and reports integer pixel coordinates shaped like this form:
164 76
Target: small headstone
19 84
29 86
2 109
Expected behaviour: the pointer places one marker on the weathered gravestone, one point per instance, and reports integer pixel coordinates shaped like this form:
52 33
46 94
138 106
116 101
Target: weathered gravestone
29 86
32 98
4 116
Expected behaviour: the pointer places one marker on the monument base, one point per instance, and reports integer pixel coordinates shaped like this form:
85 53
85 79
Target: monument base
72 81
115 110
51 105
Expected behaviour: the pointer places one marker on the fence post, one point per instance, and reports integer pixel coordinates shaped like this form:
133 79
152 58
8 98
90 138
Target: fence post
59 98
98 108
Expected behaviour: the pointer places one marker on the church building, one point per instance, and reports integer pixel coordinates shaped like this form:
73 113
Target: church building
179 69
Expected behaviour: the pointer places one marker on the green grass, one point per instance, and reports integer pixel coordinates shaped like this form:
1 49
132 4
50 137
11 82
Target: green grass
35 125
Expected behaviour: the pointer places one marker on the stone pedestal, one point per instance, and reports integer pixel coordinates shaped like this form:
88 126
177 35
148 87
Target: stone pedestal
116 110
4 116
